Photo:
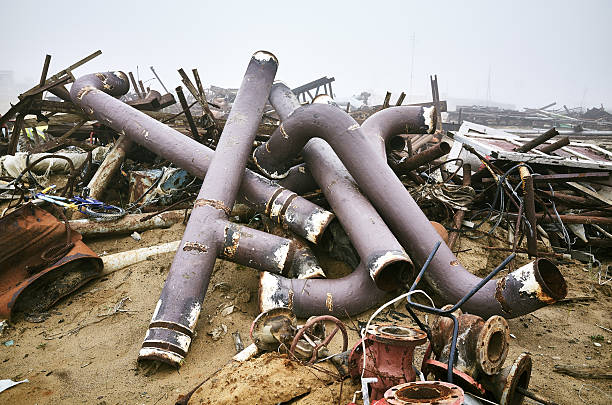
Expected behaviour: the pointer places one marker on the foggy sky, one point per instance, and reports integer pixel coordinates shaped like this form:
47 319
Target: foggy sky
534 52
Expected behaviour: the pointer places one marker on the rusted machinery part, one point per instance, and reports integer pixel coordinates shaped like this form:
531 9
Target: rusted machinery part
272 328
339 326
298 214
31 278
533 286
383 125
173 323
428 155
504 385
383 256
424 393
389 355
482 346
537 141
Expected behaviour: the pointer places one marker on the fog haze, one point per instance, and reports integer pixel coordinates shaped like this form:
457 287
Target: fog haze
523 53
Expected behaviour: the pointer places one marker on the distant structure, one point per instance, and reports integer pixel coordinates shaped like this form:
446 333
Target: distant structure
315 85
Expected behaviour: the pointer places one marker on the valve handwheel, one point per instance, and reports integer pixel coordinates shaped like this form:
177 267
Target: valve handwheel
312 322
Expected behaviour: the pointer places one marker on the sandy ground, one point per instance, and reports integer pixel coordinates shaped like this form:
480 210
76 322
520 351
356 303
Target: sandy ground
85 351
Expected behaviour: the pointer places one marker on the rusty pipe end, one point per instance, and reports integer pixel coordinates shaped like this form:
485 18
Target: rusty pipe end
430 118
114 84
504 384
261 158
389 269
307 220
164 344
305 265
324 99
264 57
272 294
425 392
533 286
492 345
397 335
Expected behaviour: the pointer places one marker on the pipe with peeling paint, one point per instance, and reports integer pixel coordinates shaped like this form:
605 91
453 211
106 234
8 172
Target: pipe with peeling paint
380 128
380 252
508 296
94 94
173 323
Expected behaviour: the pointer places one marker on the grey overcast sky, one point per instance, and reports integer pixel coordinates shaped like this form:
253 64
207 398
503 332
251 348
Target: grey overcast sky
533 52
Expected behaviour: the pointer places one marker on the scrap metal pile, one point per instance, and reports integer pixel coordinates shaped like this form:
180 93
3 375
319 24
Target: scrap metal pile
377 183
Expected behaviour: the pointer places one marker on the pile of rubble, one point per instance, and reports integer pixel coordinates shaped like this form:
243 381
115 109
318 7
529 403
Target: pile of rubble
373 192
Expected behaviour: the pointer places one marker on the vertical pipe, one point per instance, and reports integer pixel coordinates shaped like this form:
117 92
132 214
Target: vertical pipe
185 107
387 100
458 218
400 99
135 85
528 195
108 168
173 323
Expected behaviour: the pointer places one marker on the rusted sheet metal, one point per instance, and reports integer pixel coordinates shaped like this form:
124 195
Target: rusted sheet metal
424 393
31 278
482 346
392 200
378 249
208 233
389 351
302 217
127 224
501 145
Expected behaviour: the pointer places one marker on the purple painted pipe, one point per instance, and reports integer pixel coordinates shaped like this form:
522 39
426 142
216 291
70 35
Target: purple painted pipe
516 294
173 323
285 207
381 254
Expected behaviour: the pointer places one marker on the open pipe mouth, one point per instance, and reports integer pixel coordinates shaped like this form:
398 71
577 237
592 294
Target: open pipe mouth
492 345
550 279
397 143
425 392
391 271
396 331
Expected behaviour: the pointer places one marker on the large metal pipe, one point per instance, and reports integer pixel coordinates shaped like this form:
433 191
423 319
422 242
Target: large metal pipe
513 295
296 213
173 323
551 147
380 252
381 127
385 124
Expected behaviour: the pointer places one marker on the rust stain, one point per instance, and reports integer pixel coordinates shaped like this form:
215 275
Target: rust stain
218 205
198 247
499 295
329 302
290 303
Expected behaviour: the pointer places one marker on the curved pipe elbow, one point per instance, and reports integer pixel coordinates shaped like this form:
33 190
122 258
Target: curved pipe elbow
384 124
115 84
350 295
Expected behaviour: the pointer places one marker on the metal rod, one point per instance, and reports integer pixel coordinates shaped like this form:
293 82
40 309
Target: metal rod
159 80
135 85
188 116
530 213
537 141
549 148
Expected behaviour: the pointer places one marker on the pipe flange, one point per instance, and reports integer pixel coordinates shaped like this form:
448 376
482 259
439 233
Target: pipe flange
518 376
439 370
424 393
396 335
492 345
